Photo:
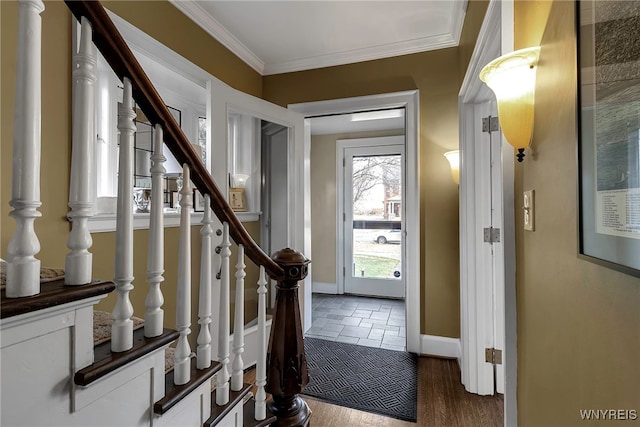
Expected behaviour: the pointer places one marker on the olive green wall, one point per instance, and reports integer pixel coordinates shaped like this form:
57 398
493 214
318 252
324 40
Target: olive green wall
324 203
185 38
438 76
578 323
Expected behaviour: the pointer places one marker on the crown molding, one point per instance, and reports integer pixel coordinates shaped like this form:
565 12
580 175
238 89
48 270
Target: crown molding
422 44
216 30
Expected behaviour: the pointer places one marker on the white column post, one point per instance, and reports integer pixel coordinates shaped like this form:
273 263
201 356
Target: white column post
222 377
154 315
261 365
203 353
238 324
79 261
122 329
23 269
182 370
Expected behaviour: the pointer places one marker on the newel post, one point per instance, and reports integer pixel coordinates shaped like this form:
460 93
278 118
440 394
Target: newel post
287 372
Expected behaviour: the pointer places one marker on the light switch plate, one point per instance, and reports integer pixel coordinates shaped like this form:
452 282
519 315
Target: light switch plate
528 208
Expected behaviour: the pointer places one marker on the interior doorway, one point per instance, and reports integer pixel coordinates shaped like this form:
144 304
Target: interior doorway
274 221
409 101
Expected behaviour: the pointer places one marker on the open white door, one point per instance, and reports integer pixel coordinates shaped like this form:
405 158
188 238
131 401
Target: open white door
487 268
235 134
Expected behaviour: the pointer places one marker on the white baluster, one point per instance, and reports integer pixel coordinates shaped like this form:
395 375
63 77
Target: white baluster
222 377
23 269
122 329
203 352
261 365
154 315
182 370
79 260
238 324
215 293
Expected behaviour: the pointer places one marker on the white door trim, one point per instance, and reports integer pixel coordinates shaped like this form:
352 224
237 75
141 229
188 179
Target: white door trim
495 38
410 101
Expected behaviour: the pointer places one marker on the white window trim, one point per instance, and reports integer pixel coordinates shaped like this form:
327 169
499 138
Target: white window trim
140 42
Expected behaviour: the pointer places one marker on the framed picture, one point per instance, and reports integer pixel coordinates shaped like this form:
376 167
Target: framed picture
198 201
237 199
609 133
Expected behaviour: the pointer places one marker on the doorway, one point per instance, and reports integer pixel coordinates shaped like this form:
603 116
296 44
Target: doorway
371 186
409 101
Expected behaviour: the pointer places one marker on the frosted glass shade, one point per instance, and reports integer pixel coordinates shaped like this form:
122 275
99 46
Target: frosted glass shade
512 77
454 161
240 180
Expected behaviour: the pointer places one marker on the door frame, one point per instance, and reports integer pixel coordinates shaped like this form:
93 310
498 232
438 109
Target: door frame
410 101
495 38
342 242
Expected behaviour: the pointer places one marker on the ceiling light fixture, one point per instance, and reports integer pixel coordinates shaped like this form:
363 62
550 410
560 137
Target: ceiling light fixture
376 115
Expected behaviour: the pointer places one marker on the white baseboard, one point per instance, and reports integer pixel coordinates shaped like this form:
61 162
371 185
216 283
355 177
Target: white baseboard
325 288
432 345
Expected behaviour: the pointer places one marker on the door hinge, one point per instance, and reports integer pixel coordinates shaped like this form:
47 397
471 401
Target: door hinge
490 124
344 271
493 356
344 217
491 235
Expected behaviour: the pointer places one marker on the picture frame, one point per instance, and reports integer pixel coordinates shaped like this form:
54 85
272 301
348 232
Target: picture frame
198 201
237 199
608 135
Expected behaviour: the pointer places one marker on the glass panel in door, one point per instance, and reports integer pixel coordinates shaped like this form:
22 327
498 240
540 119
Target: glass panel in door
374 196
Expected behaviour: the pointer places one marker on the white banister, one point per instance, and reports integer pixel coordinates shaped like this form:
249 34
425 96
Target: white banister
182 370
154 315
203 353
79 260
222 377
237 375
122 329
261 364
23 268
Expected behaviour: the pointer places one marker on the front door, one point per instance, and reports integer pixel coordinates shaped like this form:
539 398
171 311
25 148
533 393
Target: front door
373 192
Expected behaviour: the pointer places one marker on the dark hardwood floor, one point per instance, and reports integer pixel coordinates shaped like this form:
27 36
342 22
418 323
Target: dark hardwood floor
442 402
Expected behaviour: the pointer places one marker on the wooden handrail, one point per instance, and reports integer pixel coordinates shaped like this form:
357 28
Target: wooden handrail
116 52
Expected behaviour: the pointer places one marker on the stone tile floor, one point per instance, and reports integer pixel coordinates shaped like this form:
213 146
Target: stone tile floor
371 322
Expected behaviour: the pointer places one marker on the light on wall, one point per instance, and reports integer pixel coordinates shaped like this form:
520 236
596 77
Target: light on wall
512 77
239 180
454 161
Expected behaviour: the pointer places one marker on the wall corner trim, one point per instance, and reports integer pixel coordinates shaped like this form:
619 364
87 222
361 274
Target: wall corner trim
433 345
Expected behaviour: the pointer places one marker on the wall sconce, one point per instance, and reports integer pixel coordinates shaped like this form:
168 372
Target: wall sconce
512 77
239 180
454 161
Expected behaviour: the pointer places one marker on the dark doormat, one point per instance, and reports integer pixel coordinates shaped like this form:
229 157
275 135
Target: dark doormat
369 379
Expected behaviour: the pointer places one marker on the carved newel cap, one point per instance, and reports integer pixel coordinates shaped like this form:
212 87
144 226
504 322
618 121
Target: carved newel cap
294 264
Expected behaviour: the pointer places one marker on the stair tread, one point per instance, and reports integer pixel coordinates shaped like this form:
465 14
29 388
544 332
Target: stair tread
175 393
51 294
249 416
219 412
106 361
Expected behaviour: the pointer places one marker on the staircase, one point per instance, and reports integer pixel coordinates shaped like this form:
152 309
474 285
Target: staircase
52 373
